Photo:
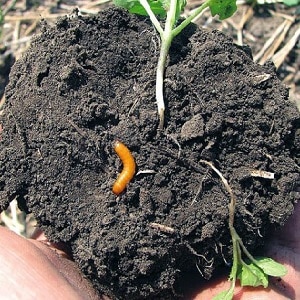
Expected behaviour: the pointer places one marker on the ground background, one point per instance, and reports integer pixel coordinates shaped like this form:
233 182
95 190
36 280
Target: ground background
271 30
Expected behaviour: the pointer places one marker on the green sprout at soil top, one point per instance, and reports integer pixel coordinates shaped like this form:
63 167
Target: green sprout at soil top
171 10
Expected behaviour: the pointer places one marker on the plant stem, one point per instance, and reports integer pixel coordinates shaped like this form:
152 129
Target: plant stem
235 254
167 34
240 244
188 20
152 16
247 253
166 40
160 71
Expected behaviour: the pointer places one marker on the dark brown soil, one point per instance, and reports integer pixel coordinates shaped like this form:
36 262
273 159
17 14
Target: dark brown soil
91 80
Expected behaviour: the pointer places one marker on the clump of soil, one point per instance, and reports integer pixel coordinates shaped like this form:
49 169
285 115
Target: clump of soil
91 80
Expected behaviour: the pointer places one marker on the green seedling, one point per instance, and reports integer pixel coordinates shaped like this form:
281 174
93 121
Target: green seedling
171 10
253 271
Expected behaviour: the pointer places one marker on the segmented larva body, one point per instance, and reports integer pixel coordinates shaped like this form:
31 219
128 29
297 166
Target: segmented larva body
128 168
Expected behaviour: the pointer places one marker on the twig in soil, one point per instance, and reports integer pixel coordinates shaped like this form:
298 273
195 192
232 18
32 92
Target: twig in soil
145 172
256 80
262 174
162 228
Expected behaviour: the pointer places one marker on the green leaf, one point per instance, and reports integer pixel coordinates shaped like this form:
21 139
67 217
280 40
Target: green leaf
179 8
271 267
251 275
223 8
128 4
291 2
225 295
135 7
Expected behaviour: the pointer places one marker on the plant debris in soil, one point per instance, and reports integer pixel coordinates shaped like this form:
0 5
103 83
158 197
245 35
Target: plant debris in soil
91 80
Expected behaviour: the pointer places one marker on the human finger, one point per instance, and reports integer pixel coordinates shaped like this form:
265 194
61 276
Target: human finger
31 270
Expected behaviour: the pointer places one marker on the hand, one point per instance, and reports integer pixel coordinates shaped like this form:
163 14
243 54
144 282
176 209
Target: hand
36 269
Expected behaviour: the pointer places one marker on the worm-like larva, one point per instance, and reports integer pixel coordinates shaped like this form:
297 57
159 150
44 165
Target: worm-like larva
128 168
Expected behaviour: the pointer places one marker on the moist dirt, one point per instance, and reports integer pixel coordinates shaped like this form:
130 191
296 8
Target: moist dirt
89 81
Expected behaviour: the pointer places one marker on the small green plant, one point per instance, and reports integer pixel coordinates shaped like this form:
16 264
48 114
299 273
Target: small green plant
171 10
253 271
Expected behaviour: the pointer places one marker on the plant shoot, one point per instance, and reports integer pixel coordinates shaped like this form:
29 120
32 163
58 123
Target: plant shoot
171 10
